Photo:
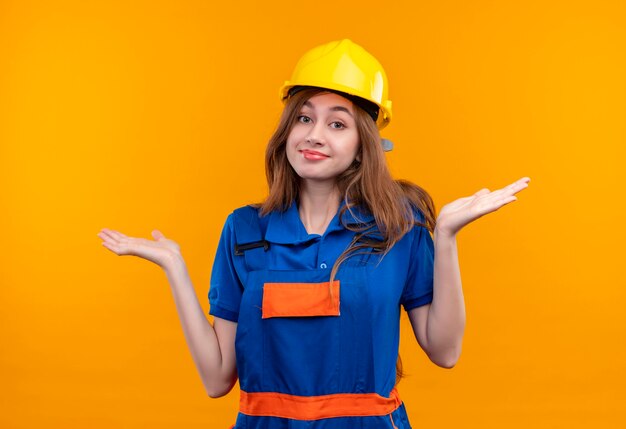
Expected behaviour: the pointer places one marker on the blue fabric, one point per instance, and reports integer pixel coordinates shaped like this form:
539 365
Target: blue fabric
354 352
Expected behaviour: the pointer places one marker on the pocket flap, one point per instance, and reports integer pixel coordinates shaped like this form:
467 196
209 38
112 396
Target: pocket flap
300 299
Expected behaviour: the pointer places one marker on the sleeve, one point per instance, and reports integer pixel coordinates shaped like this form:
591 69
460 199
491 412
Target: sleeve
418 290
226 288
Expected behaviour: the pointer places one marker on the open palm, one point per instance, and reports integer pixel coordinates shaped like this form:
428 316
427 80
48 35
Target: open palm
457 214
161 251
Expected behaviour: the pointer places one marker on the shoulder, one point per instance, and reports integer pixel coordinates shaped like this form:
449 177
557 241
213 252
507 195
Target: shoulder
248 208
246 223
249 213
419 232
245 215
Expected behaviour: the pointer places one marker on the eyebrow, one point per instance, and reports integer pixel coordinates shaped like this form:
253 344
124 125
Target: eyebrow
333 109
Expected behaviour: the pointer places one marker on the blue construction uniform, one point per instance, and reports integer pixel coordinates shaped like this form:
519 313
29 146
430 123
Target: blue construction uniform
354 351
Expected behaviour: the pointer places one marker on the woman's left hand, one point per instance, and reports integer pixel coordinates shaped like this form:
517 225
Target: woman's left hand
457 214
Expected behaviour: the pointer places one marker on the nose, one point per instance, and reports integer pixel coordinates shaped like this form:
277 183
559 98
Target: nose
315 135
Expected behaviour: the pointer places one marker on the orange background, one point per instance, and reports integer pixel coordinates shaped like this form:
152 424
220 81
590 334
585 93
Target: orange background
144 115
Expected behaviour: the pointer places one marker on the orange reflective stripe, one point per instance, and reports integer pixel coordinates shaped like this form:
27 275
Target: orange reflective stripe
300 299
317 407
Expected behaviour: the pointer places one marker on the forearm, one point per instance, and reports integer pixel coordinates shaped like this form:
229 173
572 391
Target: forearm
217 373
446 316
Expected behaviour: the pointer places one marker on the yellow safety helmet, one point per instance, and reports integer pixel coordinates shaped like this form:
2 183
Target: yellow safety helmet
346 67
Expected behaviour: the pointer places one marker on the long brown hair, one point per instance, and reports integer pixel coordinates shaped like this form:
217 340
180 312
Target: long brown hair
367 185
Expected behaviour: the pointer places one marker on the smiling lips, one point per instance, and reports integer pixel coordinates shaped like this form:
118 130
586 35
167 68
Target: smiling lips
313 155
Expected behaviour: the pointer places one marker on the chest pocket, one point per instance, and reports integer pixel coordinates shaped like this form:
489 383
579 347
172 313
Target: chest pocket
300 299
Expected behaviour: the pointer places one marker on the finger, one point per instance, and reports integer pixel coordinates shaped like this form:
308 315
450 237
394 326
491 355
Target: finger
483 191
107 235
112 247
505 200
118 235
520 183
113 233
508 201
503 196
518 186
496 197
129 245
157 234
511 189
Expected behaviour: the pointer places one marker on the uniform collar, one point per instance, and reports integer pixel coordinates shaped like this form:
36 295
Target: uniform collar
287 227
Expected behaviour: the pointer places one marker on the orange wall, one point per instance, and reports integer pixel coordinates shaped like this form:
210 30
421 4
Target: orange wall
143 115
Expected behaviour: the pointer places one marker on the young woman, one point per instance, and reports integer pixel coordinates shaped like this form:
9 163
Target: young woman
307 287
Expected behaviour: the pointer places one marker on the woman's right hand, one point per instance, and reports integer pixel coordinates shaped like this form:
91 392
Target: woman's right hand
212 348
162 251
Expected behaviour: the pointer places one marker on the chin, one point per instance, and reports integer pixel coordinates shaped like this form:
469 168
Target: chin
316 177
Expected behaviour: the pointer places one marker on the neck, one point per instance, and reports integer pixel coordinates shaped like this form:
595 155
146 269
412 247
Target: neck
318 205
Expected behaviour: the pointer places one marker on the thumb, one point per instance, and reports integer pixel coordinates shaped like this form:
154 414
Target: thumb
482 192
157 235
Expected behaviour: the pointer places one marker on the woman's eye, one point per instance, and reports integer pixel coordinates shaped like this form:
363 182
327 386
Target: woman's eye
304 119
337 125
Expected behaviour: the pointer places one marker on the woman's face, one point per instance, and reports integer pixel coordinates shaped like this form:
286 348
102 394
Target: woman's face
324 141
